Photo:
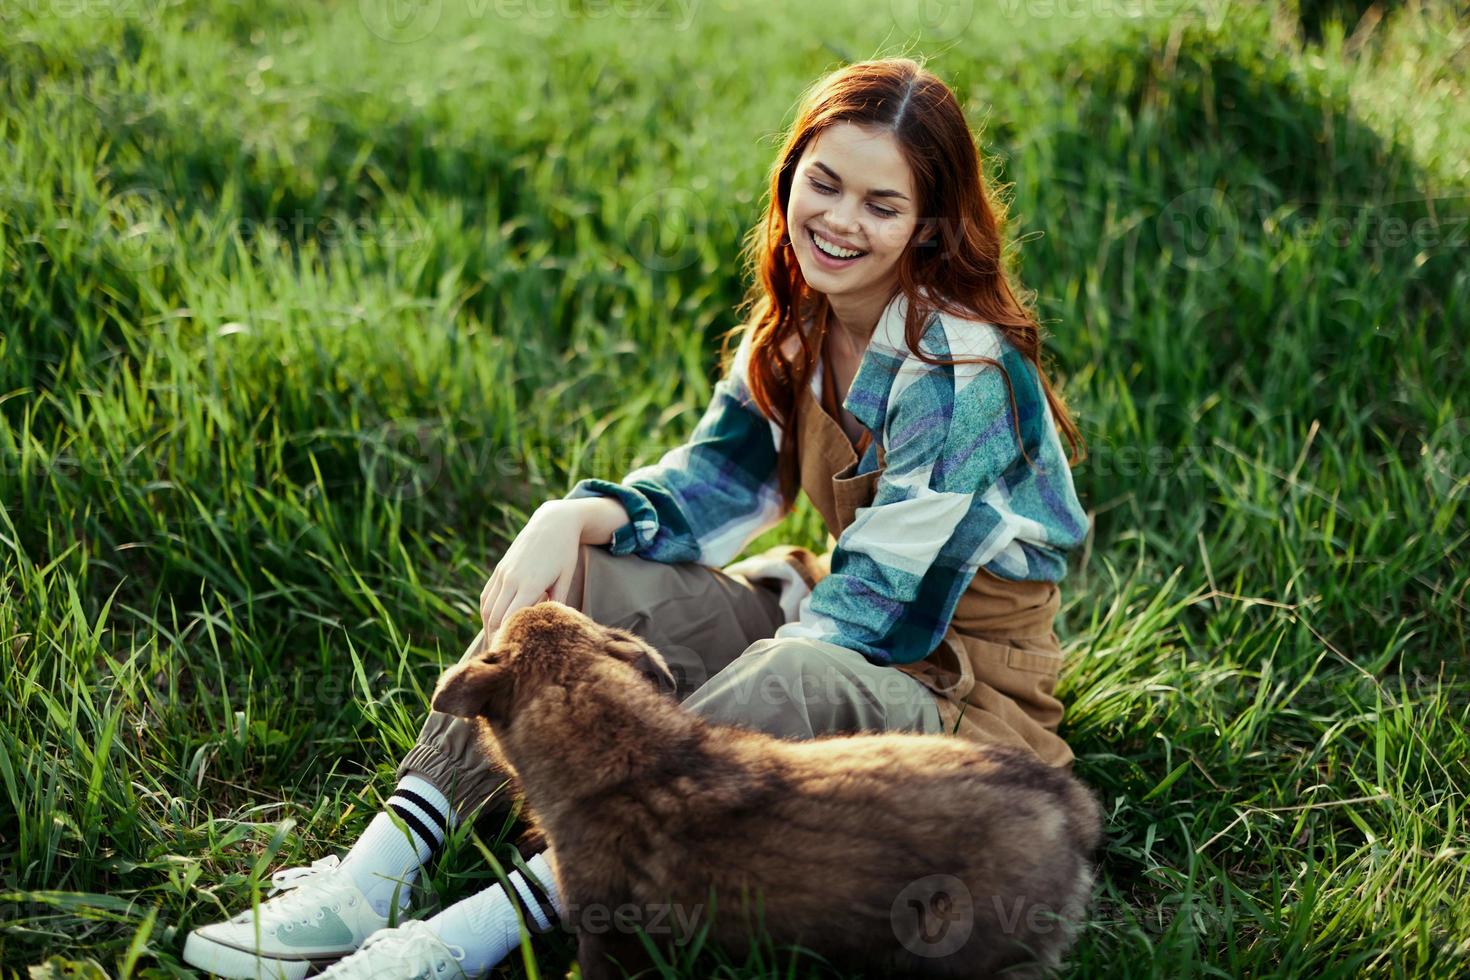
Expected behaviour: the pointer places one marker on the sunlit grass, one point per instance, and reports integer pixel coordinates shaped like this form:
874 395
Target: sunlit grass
298 322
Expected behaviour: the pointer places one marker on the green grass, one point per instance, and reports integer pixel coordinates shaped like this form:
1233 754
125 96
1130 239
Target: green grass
297 324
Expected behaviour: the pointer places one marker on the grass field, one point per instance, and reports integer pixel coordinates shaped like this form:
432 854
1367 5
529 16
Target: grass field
304 308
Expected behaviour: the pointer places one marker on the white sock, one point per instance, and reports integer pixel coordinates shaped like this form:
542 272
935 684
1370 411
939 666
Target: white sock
388 856
484 925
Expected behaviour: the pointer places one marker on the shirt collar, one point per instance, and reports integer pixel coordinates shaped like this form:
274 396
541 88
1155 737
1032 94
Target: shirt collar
867 396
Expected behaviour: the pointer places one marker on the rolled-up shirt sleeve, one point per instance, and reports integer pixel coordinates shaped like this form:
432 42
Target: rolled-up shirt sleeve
705 500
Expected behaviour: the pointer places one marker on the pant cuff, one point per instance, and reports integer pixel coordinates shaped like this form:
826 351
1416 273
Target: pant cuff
474 791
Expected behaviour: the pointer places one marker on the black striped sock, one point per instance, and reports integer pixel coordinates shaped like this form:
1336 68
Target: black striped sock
530 891
424 809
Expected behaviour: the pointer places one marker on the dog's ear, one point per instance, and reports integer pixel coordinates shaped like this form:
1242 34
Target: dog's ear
634 650
478 687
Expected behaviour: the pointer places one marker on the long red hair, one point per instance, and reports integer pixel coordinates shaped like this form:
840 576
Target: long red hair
959 270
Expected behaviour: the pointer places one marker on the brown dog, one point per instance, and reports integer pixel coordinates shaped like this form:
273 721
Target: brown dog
896 854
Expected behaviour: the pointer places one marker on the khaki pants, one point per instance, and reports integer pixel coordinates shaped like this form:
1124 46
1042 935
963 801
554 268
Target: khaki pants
715 631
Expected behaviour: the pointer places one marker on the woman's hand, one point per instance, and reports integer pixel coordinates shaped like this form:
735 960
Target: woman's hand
538 564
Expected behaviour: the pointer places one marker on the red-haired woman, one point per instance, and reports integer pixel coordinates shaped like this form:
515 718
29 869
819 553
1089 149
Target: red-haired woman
885 367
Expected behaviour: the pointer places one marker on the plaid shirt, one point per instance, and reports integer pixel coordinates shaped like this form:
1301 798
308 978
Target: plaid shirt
955 494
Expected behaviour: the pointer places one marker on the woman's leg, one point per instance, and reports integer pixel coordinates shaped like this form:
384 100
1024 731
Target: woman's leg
698 617
468 938
700 620
801 688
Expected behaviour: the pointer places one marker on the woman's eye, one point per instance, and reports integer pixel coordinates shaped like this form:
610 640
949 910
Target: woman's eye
822 188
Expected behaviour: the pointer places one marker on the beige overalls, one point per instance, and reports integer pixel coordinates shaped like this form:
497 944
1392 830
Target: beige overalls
991 679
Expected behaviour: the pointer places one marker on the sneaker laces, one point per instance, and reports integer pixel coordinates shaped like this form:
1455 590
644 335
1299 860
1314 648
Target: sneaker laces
296 877
305 889
413 949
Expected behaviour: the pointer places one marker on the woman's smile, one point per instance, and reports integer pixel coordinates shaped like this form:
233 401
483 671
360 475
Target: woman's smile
830 253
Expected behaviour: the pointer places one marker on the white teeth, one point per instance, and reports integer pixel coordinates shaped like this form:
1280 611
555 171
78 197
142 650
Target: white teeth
833 249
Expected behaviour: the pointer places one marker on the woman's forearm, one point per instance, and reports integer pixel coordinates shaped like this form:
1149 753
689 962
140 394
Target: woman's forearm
599 517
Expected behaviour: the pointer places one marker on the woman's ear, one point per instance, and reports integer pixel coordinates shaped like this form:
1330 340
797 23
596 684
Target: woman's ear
470 690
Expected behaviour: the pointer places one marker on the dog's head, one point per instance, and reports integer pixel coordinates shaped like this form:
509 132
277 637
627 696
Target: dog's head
548 642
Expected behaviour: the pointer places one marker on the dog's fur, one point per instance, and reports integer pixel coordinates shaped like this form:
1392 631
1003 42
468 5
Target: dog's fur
856 845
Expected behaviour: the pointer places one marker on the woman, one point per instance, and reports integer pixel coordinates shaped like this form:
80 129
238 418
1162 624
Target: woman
888 370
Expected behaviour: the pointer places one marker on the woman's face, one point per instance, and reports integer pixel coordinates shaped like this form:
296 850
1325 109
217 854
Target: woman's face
852 191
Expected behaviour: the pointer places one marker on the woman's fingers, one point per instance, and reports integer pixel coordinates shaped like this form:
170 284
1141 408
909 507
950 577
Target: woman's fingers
520 600
504 591
489 594
499 608
563 584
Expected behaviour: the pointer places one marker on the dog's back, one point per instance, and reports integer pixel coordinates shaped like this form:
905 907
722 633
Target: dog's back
925 853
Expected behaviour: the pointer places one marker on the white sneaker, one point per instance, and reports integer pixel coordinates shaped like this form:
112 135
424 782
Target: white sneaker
410 952
321 917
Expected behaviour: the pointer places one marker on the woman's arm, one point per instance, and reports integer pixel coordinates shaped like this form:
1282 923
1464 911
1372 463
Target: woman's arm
599 517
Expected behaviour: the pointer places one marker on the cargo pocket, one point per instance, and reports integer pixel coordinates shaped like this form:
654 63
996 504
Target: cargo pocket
1024 669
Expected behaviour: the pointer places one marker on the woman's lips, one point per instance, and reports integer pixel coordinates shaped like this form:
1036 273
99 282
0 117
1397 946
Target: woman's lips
826 260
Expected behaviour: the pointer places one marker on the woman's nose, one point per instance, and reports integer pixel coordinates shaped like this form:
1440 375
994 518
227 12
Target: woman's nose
843 218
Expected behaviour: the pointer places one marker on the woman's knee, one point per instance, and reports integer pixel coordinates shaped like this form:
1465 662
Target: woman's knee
780 672
616 590
795 660
793 683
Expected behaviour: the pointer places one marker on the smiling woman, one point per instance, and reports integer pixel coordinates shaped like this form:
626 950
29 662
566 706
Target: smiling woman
949 501
844 222
879 191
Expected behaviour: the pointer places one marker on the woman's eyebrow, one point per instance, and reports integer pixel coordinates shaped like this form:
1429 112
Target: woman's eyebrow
833 174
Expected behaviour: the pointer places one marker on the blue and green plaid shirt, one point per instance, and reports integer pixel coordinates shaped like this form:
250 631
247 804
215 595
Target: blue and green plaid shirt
955 493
